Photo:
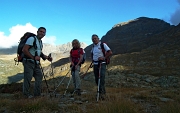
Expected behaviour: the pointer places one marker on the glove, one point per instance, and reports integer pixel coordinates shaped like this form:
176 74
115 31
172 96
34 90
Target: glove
49 57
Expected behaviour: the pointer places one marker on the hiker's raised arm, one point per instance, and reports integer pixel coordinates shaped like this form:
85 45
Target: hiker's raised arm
26 51
44 57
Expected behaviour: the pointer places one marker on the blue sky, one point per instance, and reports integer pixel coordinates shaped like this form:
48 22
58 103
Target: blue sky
66 20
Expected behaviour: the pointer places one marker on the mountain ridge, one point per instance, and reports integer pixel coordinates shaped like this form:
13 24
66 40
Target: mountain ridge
134 35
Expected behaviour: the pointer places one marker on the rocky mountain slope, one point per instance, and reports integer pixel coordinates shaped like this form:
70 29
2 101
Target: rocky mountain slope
134 35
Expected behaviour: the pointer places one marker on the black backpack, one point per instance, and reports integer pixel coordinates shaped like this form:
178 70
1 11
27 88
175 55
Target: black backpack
22 41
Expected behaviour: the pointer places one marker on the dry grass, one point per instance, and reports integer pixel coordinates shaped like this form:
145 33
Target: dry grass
118 100
29 105
114 104
170 107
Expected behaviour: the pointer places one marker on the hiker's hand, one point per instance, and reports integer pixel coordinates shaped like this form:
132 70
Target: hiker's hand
72 64
101 58
76 66
37 58
50 59
91 66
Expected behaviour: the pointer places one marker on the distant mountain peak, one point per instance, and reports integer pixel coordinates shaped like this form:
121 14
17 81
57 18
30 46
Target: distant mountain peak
139 19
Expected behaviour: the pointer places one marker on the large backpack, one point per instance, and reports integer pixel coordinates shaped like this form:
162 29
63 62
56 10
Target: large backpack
22 41
84 54
104 53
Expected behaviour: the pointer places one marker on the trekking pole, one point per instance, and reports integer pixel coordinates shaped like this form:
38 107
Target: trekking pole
44 78
87 70
99 82
52 73
60 82
68 85
73 93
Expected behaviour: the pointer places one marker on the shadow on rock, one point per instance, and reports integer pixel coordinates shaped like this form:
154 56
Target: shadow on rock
15 78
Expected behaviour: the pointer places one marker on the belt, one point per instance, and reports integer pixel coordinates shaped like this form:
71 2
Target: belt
96 62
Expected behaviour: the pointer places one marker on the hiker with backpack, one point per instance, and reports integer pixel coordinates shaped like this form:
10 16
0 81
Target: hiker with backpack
32 51
76 59
100 53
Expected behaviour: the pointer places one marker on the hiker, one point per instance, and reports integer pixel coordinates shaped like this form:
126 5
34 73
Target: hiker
31 63
76 55
99 61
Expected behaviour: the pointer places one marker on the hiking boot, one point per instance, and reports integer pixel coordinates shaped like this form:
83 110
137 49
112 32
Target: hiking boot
102 96
30 96
78 92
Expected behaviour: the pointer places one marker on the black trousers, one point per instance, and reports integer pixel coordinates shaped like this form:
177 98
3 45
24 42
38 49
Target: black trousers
102 76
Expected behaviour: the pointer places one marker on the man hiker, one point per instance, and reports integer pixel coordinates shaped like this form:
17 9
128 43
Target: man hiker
99 61
31 63
76 55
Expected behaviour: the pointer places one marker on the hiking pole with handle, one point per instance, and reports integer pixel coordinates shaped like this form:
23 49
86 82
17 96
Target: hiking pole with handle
36 62
87 70
68 84
98 82
44 78
60 83
52 73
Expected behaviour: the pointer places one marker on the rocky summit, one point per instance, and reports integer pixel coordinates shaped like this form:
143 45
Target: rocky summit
143 76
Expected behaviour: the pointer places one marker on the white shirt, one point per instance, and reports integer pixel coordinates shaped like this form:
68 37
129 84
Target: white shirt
97 51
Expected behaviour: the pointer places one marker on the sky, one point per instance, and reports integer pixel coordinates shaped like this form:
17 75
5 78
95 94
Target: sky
66 20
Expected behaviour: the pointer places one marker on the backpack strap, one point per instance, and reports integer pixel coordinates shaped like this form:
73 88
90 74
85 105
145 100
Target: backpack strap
34 43
102 47
41 44
71 53
92 52
79 50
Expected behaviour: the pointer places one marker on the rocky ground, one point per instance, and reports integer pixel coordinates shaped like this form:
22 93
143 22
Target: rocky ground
126 93
138 82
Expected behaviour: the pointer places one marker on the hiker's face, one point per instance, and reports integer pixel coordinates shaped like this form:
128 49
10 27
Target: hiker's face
95 39
75 44
41 33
